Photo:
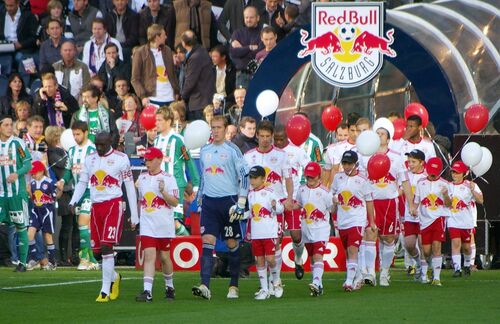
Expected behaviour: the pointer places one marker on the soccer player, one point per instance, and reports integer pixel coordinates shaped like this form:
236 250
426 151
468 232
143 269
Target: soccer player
461 222
298 160
43 194
175 160
223 193
316 202
16 162
275 162
416 160
352 195
432 199
74 166
158 194
106 170
413 139
264 205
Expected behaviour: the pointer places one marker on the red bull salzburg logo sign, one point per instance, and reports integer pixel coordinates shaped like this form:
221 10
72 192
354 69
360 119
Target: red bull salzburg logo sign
347 43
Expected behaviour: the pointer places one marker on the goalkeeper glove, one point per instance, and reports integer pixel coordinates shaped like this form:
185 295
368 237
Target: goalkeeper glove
237 211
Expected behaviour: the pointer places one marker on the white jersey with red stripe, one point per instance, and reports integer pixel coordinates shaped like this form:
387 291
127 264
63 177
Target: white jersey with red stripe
157 216
264 223
334 153
275 162
423 145
462 205
413 179
396 145
298 160
106 175
430 200
316 204
352 193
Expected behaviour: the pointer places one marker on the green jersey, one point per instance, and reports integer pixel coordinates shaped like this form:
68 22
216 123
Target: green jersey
314 149
75 160
94 124
14 158
176 157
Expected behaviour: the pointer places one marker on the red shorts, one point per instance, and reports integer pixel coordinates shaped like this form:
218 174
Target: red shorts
106 223
351 236
411 228
401 206
279 217
263 247
292 217
315 248
159 243
461 233
433 232
386 216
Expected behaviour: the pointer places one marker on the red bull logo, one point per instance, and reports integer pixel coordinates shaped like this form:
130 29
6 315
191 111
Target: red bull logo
272 177
213 170
347 43
151 202
259 212
100 180
432 202
385 181
347 200
457 205
312 214
40 198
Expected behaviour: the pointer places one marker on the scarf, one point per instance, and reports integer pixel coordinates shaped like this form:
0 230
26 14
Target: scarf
194 18
55 116
95 53
83 115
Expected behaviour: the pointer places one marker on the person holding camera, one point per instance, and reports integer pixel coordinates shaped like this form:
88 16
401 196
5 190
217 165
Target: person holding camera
55 102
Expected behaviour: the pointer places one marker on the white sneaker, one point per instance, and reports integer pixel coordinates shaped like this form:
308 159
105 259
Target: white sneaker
49 266
84 265
32 265
233 293
262 295
370 279
424 280
278 290
202 291
271 288
385 278
93 266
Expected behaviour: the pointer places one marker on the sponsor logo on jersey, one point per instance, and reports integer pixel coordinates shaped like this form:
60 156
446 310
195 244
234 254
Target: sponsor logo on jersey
312 214
385 181
40 198
457 205
101 180
151 202
272 177
259 212
347 200
213 169
432 202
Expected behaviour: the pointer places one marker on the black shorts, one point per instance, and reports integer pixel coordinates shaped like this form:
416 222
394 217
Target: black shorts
215 218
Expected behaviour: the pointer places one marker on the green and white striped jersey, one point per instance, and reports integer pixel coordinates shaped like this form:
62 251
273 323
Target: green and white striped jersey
14 158
76 159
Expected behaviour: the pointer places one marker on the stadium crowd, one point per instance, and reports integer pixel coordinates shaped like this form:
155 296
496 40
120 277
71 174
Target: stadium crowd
91 66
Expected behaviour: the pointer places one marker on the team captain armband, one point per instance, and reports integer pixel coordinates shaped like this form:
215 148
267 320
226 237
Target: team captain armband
184 152
21 152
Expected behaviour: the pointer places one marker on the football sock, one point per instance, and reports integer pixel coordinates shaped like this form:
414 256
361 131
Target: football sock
108 269
148 284
361 257
22 235
370 256
387 254
457 259
84 241
298 250
416 259
262 272
234 265
318 268
169 280
473 254
32 250
279 261
467 260
207 262
51 251
275 274
409 261
352 267
436 266
425 267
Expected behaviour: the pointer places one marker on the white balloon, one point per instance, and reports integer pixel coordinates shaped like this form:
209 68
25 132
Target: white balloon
197 134
485 163
67 139
367 143
386 124
471 154
267 103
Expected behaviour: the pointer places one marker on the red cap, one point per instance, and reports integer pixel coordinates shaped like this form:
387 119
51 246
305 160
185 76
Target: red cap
36 167
459 167
312 169
153 153
434 166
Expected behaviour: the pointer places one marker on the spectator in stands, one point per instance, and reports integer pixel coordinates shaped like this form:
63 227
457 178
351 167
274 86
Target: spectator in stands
179 111
23 111
113 67
35 141
153 76
50 49
208 114
70 72
129 121
55 10
148 139
20 128
393 115
244 45
233 13
234 112
96 115
268 37
231 131
218 104
98 82
79 22
197 16
155 13
123 25
199 82
54 102
245 139
225 81
273 15
291 14
115 98
16 91
93 51
19 28
179 63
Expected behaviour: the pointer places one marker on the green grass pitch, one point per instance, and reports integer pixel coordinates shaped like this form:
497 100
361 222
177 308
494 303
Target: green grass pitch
71 299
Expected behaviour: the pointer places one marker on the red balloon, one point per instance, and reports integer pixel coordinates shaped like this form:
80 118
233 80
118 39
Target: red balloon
148 117
476 118
378 166
399 128
331 117
415 108
298 129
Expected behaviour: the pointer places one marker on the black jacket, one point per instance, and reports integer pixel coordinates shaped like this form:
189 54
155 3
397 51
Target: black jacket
244 143
264 19
229 83
40 106
26 30
5 101
121 69
130 23
166 18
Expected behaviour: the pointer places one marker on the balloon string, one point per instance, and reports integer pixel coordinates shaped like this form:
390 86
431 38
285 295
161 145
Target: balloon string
466 141
486 181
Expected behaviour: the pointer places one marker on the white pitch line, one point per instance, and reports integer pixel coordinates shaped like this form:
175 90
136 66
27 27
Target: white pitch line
67 283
